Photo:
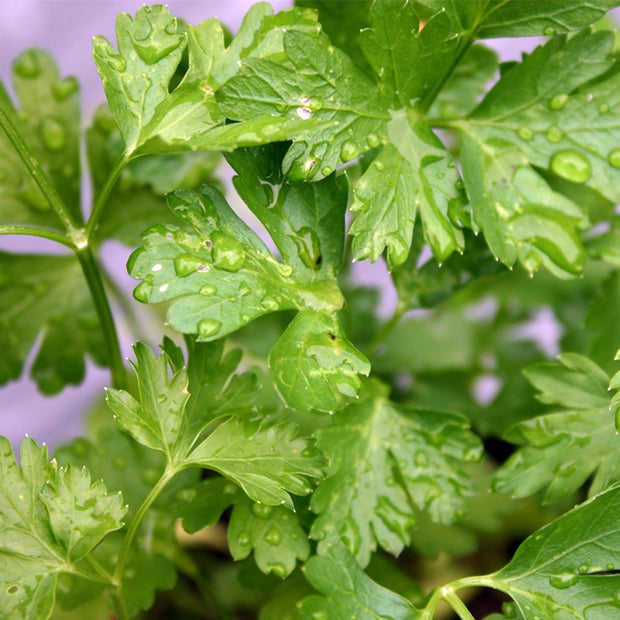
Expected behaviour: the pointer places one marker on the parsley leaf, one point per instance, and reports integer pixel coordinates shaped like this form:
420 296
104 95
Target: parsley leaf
46 295
384 460
348 592
543 113
49 121
50 519
562 570
563 449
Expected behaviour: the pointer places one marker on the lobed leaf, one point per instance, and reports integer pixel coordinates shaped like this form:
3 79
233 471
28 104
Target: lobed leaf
383 461
568 569
563 449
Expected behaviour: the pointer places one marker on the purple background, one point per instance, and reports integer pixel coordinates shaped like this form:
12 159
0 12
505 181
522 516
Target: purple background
65 28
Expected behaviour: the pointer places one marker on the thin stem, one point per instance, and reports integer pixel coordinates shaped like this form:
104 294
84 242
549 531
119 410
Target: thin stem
449 595
102 572
106 320
386 330
133 527
102 197
39 176
120 604
35 231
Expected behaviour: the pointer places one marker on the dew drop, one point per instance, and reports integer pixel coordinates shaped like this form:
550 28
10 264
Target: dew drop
185 264
64 88
304 113
572 165
349 151
53 133
157 267
614 158
326 171
459 185
187 495
143 291
163 288
208 290
554 134
27 65
373 140
563 581
244 290
116 62
379 165
273 537
13 589
270 304
603 108
208 328
261 510
285 269
279 570
244 539
421 459
526 133
583 569
549 31
228 253
559 101
281 108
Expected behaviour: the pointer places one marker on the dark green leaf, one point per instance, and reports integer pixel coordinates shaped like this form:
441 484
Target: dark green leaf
348 592
563 449
383 461
46 295
568 569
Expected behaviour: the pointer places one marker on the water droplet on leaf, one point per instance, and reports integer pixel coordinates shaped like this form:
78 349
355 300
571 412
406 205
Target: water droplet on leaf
563 581
526 133
208 328
572 165
261 510
273 537
554 134
559 101
228 253
603 108
304 113
349 151
614 158
270 304
244 539
549 31
373 140
187 495
53 133
279 570
27 65
143 291
327 170
208 290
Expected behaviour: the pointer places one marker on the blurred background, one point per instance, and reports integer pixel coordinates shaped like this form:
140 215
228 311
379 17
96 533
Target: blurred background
65 29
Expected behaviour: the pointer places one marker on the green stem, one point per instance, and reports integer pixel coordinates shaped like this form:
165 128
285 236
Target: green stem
102 196
449 595
102 572
37 173
121 605
35 231
386 330
135 524
106 320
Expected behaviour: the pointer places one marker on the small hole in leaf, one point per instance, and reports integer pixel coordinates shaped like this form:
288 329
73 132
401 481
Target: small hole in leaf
319 260
332 337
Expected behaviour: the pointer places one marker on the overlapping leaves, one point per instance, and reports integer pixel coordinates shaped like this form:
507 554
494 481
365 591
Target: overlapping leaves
384 460
563 449
221 276
50 519
267 461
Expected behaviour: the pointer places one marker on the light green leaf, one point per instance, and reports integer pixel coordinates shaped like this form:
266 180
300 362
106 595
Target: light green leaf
221 276
348 121
48 118
314 365
155 419
543 114
274 534
50 518
564 449
267 462
563 570
348 592
136 77
45 295
413 172
383 461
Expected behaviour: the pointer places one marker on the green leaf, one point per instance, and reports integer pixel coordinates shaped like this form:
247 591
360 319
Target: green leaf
49 121
156 417
568 569
348 121
306 221
136 77
543 113
503 18
348 592
414 171
45 295
267 461
564 449
274 534
50 518
383 461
